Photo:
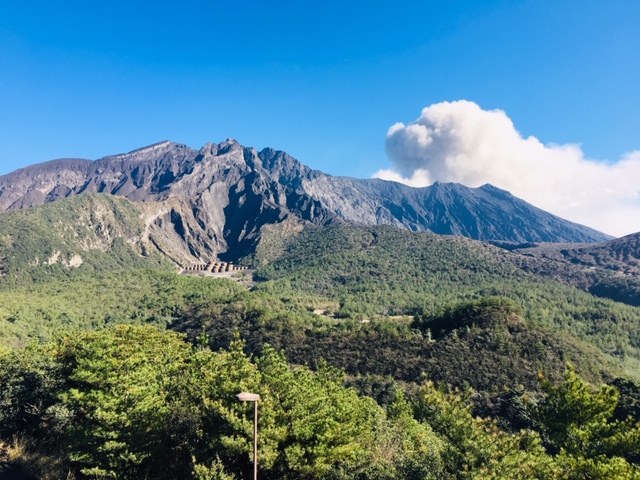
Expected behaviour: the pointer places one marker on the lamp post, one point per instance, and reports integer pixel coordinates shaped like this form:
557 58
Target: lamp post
253 397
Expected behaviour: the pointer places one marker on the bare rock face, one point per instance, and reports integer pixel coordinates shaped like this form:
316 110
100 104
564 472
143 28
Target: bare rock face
208 204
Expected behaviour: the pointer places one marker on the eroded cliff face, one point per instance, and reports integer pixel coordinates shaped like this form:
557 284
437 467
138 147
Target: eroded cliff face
212 203
199 205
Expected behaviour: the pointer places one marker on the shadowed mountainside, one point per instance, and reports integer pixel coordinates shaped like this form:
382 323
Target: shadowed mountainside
608 269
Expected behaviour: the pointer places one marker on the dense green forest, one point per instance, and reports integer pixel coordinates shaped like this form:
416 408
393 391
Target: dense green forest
382 271
378 354
137 402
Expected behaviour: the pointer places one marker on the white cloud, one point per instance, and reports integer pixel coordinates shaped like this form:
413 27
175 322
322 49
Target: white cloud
460 142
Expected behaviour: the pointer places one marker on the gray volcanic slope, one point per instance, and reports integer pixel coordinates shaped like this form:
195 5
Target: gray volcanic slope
212 203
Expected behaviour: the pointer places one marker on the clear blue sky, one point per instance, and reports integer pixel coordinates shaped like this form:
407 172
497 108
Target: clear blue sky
322 80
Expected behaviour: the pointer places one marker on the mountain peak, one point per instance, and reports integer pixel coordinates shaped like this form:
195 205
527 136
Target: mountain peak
213 202
144 152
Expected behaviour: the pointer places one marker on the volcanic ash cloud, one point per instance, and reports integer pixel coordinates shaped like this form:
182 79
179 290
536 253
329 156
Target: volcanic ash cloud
460 142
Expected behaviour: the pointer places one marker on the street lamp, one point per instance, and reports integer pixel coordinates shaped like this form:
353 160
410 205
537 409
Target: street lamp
253 397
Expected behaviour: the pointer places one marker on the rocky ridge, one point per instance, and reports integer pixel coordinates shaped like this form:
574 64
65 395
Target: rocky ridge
208 204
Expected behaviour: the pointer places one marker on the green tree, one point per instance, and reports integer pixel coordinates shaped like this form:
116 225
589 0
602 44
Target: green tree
406 448
322 424
31 380
578 425
125 391
476 448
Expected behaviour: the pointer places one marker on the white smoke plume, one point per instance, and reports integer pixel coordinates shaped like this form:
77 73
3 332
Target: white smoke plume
460 142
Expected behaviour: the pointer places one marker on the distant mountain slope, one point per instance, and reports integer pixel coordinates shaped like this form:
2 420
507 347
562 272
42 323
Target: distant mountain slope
216 200
608 269
87 232
484 213
621 255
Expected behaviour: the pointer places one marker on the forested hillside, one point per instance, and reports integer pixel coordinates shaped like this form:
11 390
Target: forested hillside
610 269
381 271
88 233
378 354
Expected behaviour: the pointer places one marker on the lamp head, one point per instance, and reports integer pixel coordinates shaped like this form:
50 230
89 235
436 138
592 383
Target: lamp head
248 397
